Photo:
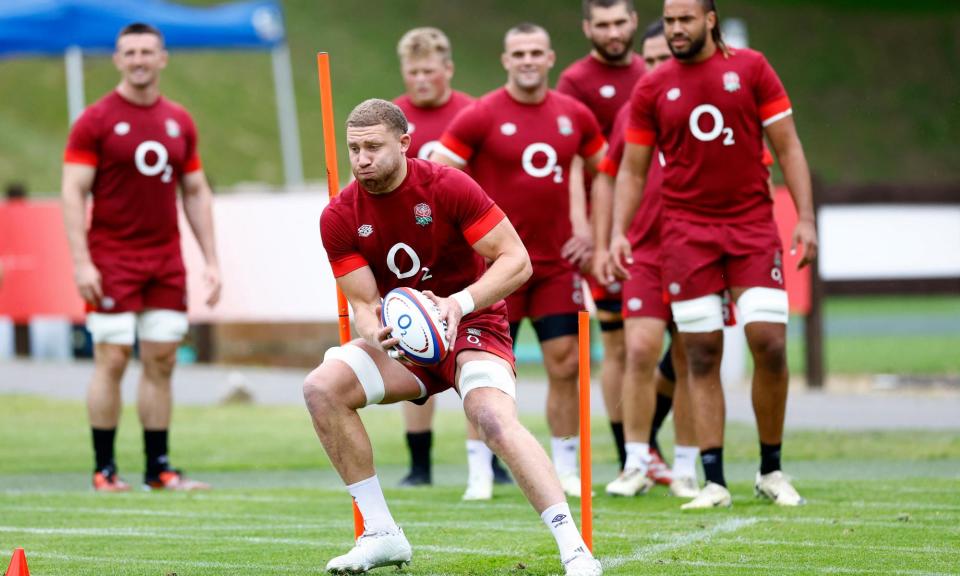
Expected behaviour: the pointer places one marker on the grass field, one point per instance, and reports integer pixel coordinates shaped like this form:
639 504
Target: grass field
879 503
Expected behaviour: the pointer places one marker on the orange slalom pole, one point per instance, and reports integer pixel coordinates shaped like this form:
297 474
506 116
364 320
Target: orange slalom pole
333 187
586 471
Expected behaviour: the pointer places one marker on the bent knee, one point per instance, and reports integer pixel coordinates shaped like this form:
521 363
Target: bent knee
492 425
324 387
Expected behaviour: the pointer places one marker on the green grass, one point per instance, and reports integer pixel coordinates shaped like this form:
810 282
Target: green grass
879 502
875 100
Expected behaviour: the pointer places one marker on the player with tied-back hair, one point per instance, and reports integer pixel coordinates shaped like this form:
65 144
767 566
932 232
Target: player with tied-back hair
707 111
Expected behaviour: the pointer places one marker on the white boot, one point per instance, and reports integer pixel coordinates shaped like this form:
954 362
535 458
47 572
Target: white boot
373 550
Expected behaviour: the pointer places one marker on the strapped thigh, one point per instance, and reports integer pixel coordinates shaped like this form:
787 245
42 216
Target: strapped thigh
363 367
486 374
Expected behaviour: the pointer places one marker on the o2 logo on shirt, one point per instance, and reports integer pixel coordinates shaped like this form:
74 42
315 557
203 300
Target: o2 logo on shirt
159 164
549 166
718 127
414 263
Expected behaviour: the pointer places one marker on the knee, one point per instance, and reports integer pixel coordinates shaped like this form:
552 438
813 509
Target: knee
114 358
642 354
770 352
704 358
492 426
320 390
564 366
161 364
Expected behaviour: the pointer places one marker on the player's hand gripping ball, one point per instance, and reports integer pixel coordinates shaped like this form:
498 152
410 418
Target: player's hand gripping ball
416 322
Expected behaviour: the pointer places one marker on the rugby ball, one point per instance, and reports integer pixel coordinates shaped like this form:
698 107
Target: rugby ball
416 322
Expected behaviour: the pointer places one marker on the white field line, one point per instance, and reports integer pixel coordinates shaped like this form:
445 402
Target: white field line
107 561
837 546
636 518
644 553
168 535
752 568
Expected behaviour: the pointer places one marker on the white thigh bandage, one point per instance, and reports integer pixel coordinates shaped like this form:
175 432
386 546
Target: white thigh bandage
703 314
764 305
363 366
158 325
486 374
119 328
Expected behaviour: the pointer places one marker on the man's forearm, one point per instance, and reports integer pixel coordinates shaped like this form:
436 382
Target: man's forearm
628 193
507 273
602 212
75 222
198 208
796 174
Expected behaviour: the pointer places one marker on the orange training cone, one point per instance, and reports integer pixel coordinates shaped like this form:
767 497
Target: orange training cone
18 564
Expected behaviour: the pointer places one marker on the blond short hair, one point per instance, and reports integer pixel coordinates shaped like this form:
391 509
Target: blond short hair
424 42
374 112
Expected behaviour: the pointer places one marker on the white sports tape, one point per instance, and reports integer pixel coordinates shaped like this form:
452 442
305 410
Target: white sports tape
703 314
764 305
363 367
465 300
157 325
486 374
119 328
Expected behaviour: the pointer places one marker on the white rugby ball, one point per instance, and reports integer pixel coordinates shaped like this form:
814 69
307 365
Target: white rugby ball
416 322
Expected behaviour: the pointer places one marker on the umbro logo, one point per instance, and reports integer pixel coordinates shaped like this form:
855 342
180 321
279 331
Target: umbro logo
365 230
559 518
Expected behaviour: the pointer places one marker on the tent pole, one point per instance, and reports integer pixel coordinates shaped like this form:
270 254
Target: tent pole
287 116
75 99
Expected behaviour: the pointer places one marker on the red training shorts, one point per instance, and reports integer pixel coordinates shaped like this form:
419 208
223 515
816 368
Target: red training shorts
487 331
133 283
702 258
554 288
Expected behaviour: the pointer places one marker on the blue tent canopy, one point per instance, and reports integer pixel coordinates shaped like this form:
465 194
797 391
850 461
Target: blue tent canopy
50 27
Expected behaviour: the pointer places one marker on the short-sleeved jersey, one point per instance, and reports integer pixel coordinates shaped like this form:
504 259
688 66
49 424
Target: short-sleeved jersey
419 235
708 118
140 154
426 125
520 154
603 88
644 232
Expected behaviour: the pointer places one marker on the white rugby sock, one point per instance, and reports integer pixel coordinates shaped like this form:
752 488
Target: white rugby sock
560 522
638 456
685 461
373 506
479 459
564 452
